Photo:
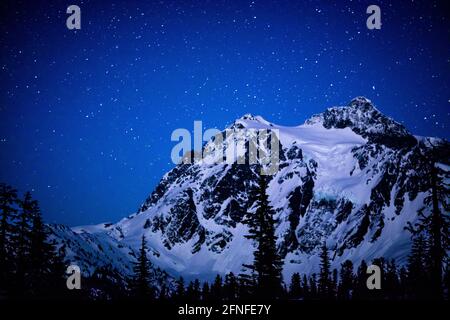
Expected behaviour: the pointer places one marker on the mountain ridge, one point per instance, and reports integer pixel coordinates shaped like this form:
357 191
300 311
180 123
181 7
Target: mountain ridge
349 176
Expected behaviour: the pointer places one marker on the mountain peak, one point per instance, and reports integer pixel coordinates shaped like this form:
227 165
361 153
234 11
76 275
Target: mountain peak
361 102
363 118
249 120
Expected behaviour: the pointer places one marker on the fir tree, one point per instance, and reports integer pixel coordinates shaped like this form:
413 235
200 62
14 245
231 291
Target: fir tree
196 291
313 286
403 285
417 269
295 289
267 263
205 292
230 287
8 210
436 225
324 276
28 207
179 291
347 281
193 291
392 281
47 269
361 292
305 287
162 293
334 284
141 288
246 286
216 289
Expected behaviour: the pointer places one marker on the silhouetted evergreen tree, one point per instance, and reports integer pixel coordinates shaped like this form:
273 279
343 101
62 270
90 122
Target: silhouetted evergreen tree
417 282
230 285
163 292
403 283
246 286
347 281
447 281
313 294
22 241
180 290
334 284
439 227
205 292
190 292
216 289
196 293
295 289
361 292
324 275
140 284
193 291
8 210
46 264
267 263
305 287
436 225
392 285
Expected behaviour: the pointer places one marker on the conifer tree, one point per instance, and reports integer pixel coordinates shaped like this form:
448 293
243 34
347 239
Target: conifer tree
196 291
295 289
180 291
193 291
361 292
190 294
162 293
28 207
205 292
246 286
8 210
435 225
313 286
417 269
347 281
391 290
267 263
230 287
324 276
216 289
334 284
141 287
305 287
46 265
403 285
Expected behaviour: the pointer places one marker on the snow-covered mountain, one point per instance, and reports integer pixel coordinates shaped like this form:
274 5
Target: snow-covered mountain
349 176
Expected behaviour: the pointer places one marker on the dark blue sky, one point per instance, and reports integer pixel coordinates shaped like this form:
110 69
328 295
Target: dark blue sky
86 116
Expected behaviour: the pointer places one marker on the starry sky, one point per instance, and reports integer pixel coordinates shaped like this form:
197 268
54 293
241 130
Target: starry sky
86 115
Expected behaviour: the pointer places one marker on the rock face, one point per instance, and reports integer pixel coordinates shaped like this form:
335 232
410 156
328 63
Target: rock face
349 176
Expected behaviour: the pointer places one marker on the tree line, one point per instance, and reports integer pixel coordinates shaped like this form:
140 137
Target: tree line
30 265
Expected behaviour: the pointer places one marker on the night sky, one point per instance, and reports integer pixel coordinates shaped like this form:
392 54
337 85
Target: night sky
86 116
